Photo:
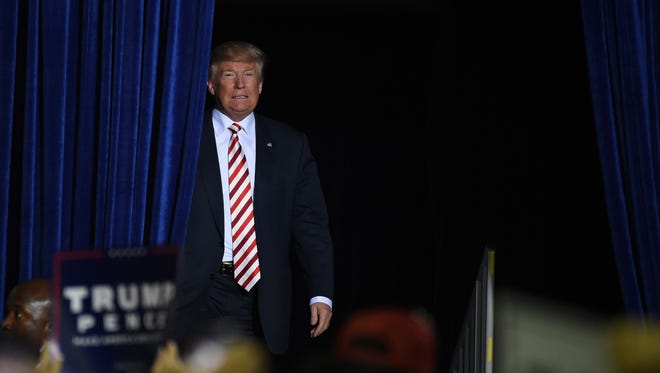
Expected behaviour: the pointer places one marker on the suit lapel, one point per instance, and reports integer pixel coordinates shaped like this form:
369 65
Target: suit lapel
264 162
210 173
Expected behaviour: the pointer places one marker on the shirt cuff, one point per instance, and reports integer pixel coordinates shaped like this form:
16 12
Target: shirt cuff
321 299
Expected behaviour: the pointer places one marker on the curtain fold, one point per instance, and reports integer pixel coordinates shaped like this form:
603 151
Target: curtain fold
103 151
622 50
8 42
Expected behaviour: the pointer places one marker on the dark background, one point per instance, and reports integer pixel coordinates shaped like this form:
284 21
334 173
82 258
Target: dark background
441 128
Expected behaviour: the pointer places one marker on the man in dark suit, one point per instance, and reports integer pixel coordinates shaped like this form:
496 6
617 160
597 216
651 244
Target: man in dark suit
289 214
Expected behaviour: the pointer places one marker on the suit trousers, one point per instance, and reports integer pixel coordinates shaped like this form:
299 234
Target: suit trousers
237 308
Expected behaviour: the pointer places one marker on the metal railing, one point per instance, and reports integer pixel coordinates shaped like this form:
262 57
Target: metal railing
474 349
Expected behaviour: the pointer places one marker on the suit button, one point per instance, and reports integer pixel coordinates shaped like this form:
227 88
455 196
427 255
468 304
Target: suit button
212 276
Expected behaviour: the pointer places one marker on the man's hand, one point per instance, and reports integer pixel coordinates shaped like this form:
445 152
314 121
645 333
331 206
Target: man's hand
320 320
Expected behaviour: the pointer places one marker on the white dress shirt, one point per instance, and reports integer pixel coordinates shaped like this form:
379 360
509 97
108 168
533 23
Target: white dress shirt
247 139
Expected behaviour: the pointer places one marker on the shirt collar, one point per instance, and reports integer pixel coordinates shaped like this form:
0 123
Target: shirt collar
247 124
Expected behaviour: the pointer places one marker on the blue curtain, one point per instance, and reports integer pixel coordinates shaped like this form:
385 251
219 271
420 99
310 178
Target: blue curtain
101 107
622 54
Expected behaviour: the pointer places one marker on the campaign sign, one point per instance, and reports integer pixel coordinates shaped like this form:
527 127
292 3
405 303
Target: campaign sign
111 308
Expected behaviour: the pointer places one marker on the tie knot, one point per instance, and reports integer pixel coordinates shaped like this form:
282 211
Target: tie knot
235 127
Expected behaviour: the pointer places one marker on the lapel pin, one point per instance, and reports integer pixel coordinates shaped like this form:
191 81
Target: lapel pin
269 144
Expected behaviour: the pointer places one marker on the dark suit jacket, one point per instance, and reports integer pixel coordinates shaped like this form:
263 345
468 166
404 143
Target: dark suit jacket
290 214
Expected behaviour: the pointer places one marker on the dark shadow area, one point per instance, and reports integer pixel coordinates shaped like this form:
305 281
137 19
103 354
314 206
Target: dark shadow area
440 129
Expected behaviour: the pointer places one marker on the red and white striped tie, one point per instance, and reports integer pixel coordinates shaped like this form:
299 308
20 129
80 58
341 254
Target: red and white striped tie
246 261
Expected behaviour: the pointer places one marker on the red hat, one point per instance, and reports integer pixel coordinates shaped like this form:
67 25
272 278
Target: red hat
389 337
